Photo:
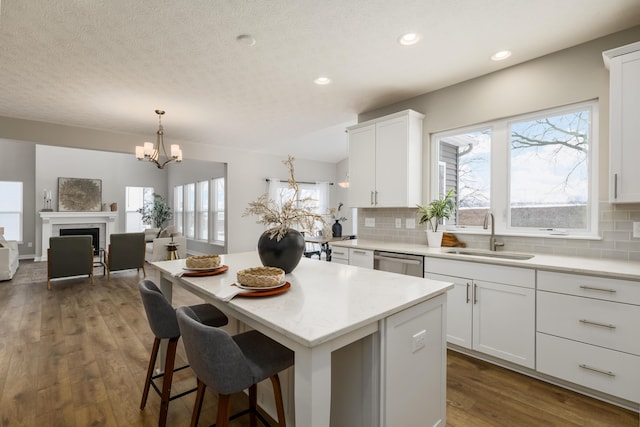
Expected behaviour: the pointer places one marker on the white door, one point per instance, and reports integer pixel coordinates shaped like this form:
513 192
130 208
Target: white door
504 322
625 128
362 149
391 162
459 305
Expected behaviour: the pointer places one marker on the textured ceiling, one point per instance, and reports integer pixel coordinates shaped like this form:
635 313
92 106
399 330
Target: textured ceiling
110 64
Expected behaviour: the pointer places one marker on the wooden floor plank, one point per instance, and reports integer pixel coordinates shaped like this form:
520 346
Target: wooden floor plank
77 355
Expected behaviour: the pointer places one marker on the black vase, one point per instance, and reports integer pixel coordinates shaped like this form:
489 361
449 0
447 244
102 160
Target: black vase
336 229
284 253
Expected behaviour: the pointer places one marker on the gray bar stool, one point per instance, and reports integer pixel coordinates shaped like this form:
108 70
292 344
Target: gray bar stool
231 364
164 325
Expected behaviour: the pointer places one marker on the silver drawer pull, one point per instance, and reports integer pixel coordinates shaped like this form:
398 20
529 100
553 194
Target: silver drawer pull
602 325
600 371
360 252
589 288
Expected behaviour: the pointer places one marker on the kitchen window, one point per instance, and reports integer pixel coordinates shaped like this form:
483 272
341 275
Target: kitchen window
536 173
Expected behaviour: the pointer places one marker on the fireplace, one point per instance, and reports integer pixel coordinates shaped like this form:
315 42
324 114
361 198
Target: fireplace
93 232
53 222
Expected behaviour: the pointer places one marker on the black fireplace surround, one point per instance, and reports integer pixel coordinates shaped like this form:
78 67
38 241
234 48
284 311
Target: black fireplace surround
93 232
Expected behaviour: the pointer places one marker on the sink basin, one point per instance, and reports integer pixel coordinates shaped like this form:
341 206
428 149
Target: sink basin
491 254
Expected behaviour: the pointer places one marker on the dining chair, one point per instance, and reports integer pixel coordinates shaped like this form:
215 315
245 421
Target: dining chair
126 251
229 364
164 325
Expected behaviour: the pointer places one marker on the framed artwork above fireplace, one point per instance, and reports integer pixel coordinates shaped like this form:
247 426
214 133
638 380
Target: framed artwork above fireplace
79 195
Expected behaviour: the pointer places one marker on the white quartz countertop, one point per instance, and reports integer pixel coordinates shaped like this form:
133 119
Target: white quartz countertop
325 300
629 270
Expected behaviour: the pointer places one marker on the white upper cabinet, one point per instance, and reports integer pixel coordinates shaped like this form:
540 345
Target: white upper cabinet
624 126
385 161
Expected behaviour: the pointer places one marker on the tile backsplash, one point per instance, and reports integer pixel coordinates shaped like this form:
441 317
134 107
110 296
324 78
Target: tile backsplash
615 228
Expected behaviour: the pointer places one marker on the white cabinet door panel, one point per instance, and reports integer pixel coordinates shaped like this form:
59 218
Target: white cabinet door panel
458 309
504 322
362 149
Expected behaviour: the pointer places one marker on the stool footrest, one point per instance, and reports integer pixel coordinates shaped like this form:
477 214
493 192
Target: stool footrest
157 389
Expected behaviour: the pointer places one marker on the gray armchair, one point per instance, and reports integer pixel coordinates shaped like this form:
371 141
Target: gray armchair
126 251
69 256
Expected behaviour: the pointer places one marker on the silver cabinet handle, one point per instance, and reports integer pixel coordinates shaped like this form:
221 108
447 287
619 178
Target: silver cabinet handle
468 286
475 293
590 288
360 252
337 253
602 325
376 198
371 198
615 186
600 371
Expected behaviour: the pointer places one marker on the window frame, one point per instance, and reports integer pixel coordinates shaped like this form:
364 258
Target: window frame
9 235
500 164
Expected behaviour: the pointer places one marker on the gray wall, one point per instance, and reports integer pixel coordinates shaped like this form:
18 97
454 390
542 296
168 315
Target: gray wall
17 164
246 171
565 77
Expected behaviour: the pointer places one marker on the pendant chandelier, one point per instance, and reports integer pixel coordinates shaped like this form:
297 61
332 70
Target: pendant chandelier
152 153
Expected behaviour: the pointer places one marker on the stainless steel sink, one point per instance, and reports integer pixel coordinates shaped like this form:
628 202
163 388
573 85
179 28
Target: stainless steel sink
491 254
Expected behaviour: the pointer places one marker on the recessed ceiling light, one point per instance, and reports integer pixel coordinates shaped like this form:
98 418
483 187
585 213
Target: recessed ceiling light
246 39
499 56
322 81
409 38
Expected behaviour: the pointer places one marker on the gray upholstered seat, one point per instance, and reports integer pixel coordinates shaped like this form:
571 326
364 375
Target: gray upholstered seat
69 256
231 364
126 251
164 325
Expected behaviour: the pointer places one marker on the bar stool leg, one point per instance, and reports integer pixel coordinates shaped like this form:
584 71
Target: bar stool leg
152 364
197 407
166 381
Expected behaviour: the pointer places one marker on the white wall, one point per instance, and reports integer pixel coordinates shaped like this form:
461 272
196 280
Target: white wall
116 170
246 170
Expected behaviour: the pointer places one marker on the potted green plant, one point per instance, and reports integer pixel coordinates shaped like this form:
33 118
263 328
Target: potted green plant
156 213
433 213
282 245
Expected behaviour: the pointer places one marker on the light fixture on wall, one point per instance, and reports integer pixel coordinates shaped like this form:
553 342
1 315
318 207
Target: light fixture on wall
152 153
344 183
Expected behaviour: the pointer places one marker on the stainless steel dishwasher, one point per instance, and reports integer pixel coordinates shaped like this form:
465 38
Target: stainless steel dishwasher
411 265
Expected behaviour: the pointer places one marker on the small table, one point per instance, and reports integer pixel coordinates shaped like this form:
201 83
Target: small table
172 251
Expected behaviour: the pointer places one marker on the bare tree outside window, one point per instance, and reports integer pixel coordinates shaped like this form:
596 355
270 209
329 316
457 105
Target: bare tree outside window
550 171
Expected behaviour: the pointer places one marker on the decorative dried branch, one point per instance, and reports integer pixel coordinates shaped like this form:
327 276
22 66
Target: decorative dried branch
293 212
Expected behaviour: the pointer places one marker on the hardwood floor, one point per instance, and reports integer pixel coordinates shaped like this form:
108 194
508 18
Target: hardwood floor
77 356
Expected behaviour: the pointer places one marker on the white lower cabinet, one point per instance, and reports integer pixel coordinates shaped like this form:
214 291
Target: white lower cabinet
413 366
339 255
361 258
491 308
587 332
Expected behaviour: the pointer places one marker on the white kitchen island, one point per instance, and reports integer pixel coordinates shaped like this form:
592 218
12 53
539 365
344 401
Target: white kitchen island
329 307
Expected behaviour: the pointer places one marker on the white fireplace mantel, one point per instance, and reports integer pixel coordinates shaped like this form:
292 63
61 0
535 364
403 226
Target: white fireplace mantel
53 219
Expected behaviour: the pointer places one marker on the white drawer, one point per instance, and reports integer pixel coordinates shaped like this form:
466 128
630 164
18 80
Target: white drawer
515 276
338 252
603 323
608 371
626 291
